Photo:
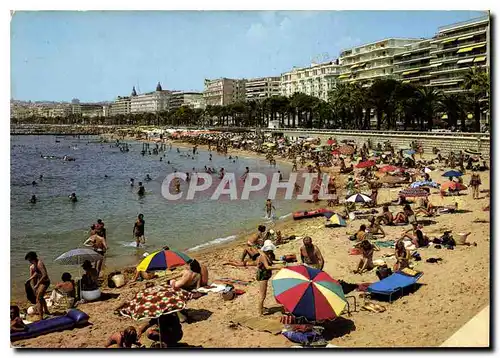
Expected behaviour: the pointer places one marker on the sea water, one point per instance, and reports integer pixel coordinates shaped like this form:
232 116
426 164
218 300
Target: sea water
55 225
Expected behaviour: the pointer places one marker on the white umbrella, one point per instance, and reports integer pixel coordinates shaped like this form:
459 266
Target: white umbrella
78 256
359 198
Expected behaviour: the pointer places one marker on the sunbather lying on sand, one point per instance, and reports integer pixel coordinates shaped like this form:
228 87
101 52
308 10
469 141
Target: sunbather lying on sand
191 278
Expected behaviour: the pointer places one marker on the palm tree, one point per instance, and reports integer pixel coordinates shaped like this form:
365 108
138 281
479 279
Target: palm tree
428 100
454 107
382 92
477 83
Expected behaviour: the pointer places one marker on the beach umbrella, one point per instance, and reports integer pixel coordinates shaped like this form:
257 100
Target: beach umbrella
389 169
452 173
409 152
334 219
413 192
78 256
346 149
163 260
453 186
330 142
424 183
335 152
154 302
365 164
308 292
359 198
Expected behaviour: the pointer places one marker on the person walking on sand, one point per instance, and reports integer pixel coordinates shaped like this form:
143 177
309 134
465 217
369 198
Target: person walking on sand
310 255
475 182
39 280
139 230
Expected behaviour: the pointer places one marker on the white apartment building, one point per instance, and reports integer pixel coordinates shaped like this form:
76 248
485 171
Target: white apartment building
156 101
413 64
366 63
457 48
224 91
258 89
120 106
316 80
190 99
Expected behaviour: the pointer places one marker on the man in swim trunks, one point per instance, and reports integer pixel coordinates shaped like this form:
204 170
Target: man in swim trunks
139 230
310 254
269 208
253 245
40 281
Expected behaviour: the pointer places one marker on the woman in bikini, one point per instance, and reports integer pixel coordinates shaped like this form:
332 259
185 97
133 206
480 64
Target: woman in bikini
40 282
251 248
386 218
402 256
366 262
264 272
404 217
190 279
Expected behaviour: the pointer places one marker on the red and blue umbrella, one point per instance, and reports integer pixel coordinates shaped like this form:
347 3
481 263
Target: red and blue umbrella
307 292
163 260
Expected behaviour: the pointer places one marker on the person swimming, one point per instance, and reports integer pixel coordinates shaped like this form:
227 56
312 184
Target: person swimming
161 159
33 183
148 178
33 199
40 177
131 181
73 198
142 190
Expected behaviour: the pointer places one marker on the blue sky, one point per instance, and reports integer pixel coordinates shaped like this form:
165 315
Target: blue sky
98 55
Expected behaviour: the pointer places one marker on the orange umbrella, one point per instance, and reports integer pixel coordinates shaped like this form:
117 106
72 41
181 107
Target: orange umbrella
452 185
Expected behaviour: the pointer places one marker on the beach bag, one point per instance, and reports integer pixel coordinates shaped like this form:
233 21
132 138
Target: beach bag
383 272
228 294
111 282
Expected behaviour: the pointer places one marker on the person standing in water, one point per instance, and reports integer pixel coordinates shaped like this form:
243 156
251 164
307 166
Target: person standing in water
73 198
244 176
33 199
131 181
139 230
269 208
142 190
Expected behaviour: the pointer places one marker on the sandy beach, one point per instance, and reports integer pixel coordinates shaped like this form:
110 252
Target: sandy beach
452 291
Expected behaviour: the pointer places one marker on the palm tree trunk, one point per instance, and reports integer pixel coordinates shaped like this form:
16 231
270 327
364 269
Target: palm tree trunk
379 118
477 116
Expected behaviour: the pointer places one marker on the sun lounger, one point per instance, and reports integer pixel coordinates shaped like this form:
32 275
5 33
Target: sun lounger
395 283
72 319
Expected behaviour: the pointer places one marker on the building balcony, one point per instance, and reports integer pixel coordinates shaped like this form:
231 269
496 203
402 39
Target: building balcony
416 59
460 48
465 35
410 52
454 69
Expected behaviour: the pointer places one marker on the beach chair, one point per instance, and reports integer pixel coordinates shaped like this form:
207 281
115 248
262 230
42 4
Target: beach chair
393 284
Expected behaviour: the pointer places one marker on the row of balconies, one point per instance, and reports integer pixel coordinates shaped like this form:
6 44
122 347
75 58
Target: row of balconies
458 46
475 30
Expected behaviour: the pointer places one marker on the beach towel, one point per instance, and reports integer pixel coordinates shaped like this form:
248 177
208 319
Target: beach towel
396 282
258 323
388 243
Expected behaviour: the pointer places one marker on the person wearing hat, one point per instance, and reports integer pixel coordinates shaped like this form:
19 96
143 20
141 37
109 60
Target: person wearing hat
264 271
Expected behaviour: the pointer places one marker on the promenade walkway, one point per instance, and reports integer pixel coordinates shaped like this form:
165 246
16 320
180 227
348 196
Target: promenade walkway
475 333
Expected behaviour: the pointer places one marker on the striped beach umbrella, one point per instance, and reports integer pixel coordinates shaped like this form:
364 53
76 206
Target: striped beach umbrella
163 260
308 292
359 198
346 149
78 256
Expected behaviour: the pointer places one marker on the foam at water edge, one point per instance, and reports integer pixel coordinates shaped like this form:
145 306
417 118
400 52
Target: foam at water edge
219 240
284 216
